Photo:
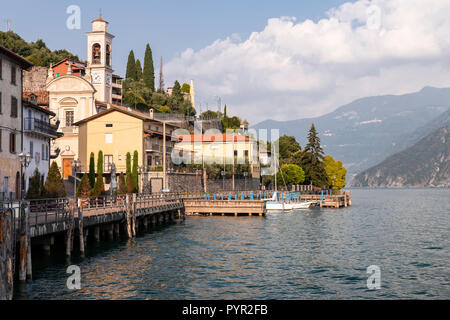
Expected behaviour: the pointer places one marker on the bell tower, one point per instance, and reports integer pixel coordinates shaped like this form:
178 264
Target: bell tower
99 57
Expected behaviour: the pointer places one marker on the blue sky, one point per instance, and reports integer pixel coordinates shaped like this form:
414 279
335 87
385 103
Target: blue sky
169 26
265 59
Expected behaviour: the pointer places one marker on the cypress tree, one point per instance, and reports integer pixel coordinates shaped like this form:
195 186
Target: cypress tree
92 171
135 170
149 70
131 73
129 177
138 70
99 188
54 185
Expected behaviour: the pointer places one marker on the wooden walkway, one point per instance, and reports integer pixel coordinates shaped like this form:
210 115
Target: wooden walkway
225 207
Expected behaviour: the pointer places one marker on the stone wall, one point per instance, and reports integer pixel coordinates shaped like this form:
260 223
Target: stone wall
34 80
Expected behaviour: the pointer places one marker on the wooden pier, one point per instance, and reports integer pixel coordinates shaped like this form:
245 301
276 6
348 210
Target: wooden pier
225 207
340 200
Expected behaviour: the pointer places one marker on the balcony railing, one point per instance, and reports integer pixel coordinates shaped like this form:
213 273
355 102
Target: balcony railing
39 126
158 148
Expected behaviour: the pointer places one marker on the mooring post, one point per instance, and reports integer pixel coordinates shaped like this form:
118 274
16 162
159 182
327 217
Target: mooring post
6 255
128 215
80 227
97 234
70 230
116 231
134 215
29 263
23 256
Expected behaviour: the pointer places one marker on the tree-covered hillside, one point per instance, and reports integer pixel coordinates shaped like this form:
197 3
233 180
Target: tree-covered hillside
36 52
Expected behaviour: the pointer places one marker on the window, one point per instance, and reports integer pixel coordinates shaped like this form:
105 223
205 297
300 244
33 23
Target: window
43 152
13 75
12 142
108 125
246 153
13 107
69 118
108 138
107 160
31 149
1 67
47 154
0 98
235 153
0 140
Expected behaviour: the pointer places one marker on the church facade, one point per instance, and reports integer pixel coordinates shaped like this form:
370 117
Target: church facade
77 91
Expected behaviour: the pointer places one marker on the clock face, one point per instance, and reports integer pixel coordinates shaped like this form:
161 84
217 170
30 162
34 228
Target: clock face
97 78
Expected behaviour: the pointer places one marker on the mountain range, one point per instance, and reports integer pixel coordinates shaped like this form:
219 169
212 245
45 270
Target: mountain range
425 164
366 131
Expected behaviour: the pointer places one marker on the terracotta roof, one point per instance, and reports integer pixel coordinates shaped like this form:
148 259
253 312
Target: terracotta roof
113 107
25 64
73 62
100 20
41 97
213 137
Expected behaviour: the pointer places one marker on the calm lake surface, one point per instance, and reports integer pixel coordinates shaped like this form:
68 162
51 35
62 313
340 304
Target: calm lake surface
312 254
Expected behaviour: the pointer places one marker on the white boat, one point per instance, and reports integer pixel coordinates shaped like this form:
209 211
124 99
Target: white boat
302 205
278 206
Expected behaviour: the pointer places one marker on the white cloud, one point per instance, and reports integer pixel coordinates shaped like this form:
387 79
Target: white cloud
296 69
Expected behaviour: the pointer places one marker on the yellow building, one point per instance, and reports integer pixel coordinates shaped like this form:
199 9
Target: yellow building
220 148
119 130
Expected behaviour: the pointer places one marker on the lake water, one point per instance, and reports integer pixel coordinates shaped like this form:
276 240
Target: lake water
312 254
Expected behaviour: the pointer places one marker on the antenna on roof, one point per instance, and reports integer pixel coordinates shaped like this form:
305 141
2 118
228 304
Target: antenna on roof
8 25
100 13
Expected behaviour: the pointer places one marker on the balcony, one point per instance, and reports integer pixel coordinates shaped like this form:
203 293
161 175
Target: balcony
117 85
40 127
158 148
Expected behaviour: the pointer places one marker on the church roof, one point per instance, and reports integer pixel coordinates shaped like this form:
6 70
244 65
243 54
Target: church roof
99 19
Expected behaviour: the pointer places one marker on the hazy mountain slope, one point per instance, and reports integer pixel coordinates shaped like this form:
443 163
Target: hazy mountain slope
366 131
425 164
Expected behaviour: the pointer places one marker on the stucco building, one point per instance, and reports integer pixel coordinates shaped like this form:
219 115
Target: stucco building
11 66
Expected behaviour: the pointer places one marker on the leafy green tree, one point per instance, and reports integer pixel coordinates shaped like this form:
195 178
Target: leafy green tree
149 71
84 188
35 52
92 170
54 185
131 72
336 173
290 174
288 148
209 115
99 187
135 170
35 187
136 93
186 88
138 70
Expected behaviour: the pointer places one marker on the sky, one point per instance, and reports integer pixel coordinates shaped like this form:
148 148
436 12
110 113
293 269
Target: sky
280 59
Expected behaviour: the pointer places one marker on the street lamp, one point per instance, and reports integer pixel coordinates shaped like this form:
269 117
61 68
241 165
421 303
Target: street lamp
76 165
223 179
24 163
245 180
